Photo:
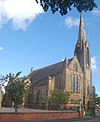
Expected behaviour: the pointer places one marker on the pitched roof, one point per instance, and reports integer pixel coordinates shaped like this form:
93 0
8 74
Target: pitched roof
43 73
40 76
41 82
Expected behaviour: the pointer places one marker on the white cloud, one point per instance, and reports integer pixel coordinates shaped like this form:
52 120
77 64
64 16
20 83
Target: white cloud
93 63
96 12
1 48
70 22
19 12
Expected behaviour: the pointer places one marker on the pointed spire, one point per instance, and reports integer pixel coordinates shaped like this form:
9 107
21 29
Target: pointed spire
82 48
82 33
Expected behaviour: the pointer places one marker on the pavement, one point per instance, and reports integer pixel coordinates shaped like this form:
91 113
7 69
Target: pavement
25 110
11 110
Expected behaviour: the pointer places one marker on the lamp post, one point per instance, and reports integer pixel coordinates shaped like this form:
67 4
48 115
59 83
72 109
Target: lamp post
80 110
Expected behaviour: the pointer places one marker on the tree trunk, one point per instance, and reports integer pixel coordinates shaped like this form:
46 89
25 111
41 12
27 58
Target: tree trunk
16 108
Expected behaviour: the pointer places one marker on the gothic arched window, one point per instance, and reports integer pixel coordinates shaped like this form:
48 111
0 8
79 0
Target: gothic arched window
35 96
75 83
43 96
72 82
38 96
59 83
78 89
75 68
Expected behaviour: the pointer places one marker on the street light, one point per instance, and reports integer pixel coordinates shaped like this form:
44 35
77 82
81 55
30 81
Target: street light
80 110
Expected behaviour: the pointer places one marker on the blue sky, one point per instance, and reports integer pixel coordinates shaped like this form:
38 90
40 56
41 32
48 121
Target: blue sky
31 38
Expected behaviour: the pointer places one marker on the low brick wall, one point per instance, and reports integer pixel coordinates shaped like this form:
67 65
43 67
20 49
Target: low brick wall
38 116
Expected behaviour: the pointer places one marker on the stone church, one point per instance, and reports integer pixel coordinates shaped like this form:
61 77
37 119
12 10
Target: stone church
72 75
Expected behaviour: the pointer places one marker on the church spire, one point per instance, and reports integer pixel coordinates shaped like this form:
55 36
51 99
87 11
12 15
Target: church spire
82 50
82 33
81 37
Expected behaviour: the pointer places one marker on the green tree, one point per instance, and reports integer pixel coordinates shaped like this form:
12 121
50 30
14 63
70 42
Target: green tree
97 99
17 88
59 97
63 6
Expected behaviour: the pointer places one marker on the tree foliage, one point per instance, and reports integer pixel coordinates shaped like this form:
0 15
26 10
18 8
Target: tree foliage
59 97
97 100
63 6
17 88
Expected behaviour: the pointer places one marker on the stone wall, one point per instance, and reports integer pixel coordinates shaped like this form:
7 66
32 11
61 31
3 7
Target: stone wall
37 116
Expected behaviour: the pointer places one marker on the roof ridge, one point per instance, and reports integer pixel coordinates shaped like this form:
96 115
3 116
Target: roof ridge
47 66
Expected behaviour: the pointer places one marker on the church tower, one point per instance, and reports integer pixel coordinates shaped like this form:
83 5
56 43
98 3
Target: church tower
82 52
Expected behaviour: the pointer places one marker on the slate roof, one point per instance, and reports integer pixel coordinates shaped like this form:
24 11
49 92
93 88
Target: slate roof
40 76
41 82
43 73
